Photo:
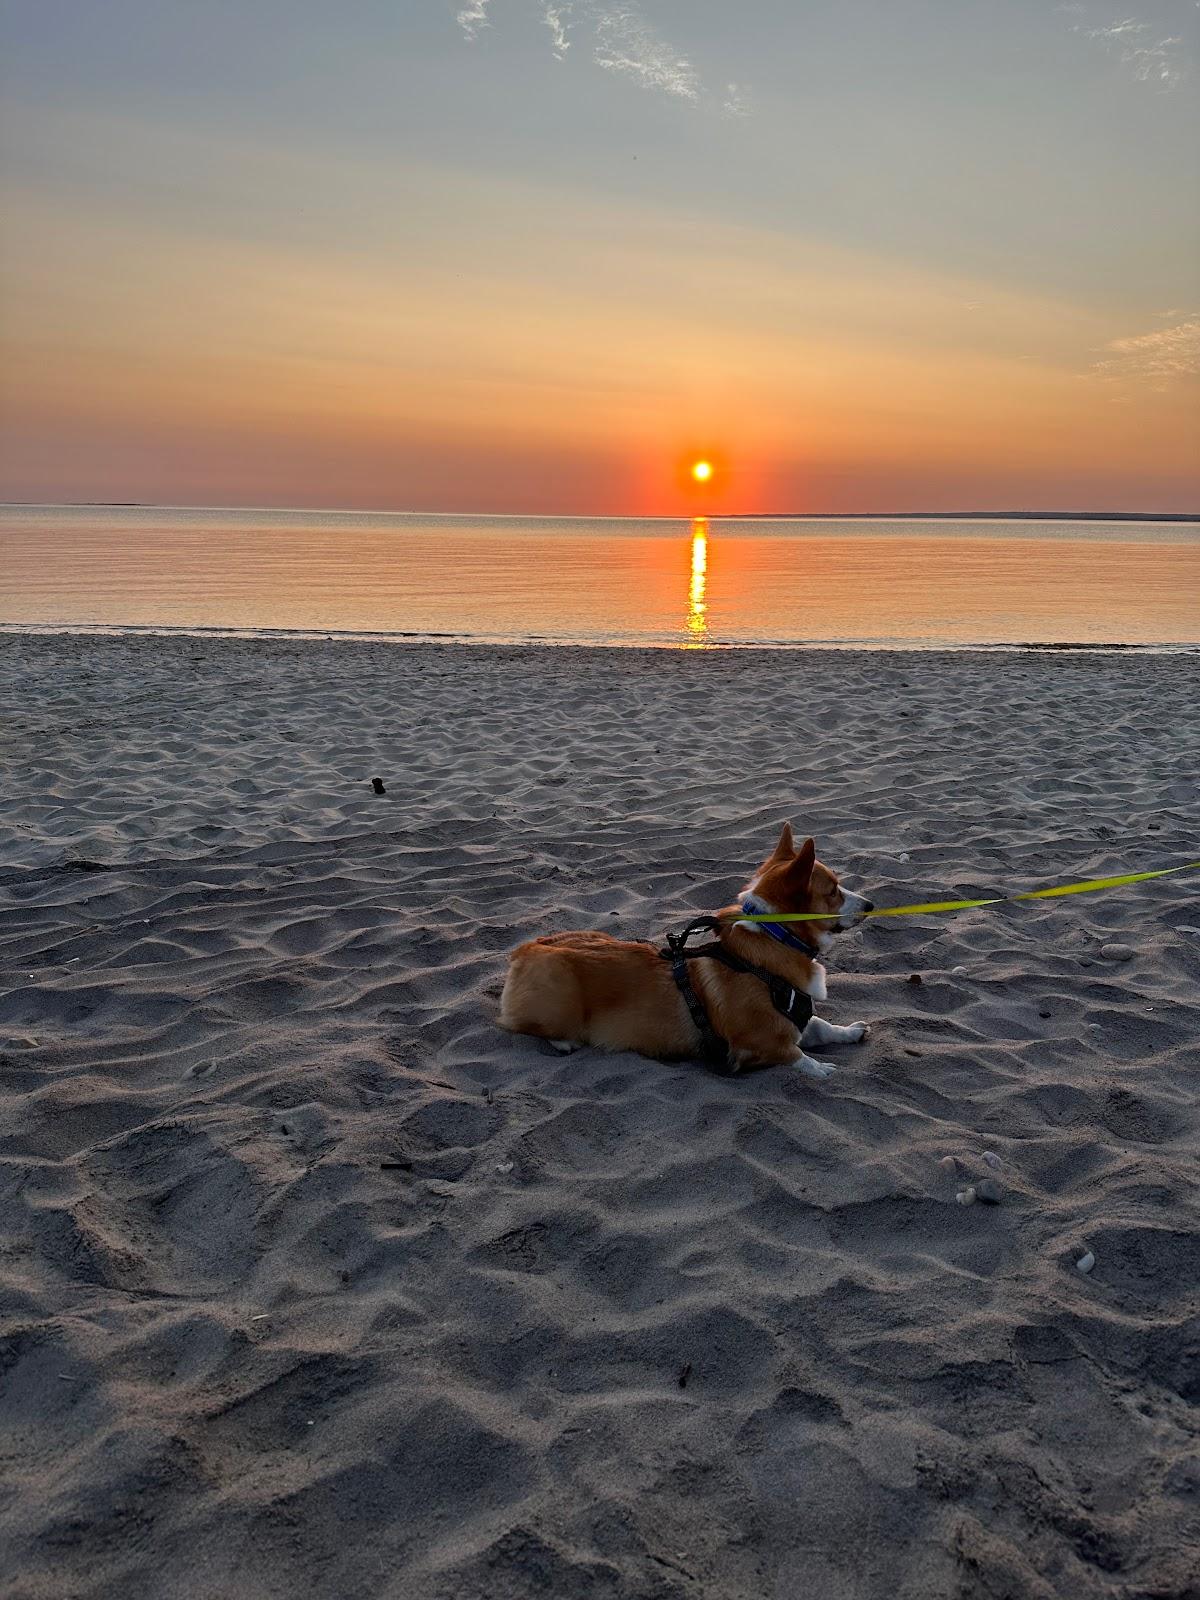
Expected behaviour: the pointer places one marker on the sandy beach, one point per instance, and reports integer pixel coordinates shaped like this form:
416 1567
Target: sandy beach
315 1282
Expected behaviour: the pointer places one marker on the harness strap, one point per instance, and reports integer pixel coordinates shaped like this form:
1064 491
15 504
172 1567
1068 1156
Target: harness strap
713 1048
790 1002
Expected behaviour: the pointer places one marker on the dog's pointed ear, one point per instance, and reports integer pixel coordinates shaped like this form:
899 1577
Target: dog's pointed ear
786 848
800 870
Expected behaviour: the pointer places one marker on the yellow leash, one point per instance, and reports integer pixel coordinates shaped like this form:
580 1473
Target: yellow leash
1088 886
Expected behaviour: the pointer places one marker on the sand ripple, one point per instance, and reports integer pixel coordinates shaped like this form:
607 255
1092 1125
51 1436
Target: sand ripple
314 1280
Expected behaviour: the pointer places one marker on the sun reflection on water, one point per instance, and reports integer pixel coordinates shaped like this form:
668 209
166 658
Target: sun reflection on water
697 617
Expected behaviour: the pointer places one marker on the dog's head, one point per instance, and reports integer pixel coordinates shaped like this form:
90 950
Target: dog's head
793 880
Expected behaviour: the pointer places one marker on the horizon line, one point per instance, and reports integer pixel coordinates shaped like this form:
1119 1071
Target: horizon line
1028 515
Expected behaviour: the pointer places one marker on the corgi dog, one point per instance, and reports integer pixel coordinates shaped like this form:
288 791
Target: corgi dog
591 989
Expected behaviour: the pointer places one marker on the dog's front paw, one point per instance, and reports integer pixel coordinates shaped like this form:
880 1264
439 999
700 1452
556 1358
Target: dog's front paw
856 1032
815 1069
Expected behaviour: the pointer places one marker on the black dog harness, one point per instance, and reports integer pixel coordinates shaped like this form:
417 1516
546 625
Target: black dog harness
792 1003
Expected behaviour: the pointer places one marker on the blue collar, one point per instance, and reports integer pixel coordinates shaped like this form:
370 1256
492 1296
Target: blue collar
753 907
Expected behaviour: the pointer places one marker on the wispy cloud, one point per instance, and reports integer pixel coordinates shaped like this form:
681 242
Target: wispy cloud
622 41
558 18
735 103
1160 358
625 42
473 16
1151 59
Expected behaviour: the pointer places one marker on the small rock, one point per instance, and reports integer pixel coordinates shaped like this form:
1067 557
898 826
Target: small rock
965 1197
950 1164
903 856
958 972
915 977
377 785
1086 1262
991 1159
989 1191
1044 1015
1116 952
504 1166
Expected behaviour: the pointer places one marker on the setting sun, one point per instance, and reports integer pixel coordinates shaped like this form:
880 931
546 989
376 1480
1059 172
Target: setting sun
702 471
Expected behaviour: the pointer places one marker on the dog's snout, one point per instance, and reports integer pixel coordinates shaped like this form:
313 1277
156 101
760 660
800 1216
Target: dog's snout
868 905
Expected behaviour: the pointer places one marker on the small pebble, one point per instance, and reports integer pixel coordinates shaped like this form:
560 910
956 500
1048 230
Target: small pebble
903 856
377 785
958 972
992 1160
965 1197
1085 1262
915 977
989 1191
504 1166
1116 952
950 1164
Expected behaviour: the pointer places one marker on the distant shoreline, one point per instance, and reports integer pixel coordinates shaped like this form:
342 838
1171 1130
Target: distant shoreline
958 516
600 516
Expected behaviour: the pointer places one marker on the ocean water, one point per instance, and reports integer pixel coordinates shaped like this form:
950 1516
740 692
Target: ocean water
868 581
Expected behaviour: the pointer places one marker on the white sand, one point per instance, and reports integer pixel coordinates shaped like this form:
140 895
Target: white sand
242 1356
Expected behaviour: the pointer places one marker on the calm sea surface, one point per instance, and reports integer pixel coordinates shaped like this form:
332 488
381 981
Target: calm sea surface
870 581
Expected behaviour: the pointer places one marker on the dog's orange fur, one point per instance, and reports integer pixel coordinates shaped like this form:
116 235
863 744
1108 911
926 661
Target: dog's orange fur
589 988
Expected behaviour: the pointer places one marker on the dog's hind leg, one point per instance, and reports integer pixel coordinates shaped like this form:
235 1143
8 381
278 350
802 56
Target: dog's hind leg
818 1031
540 997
